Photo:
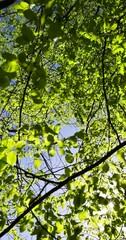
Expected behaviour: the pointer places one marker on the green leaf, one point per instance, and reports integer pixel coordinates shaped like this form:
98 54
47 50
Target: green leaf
52 152
21 6
10 178
77 230
23 227
102 200
3 163
21 40
80 135
54 30
105 168
27 33
10 67
114 26
59 227
60 143
20 145
83 215
50 138
50 3
22 57
120 155
94 222
37 163
79 199
29 14
69 158
2 223
11 158
9 56
123 184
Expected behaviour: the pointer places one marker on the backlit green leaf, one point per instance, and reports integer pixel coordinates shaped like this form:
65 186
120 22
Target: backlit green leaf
11 158
10 67
52 152
59 227
83 215
37 163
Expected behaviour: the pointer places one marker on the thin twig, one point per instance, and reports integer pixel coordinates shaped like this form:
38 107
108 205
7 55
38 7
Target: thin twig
34 176
43 227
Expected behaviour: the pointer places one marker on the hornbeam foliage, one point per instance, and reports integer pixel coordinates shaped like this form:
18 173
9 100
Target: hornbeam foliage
63 67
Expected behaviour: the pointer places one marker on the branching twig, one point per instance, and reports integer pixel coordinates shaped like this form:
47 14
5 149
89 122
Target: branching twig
34 176
47 165
35 198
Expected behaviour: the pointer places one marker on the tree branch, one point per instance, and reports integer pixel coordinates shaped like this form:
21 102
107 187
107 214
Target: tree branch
104 90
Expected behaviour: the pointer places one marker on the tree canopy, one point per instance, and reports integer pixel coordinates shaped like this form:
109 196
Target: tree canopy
62 66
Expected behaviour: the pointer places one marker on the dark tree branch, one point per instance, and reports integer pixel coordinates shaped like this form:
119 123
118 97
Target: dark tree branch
61 184
104 90
20 118
22 104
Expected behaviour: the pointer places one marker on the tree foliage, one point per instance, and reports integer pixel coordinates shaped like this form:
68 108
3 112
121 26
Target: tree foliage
62 64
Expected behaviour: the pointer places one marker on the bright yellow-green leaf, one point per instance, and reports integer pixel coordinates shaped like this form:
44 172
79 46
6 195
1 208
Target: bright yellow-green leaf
59 227
20 209
121 71
24 5
83 215
52 152
10 144
47 143
11 158
114 26
37 163
21 6
120 155
43 19
50 3
62 152
20 144
10 66
57 128
60 143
